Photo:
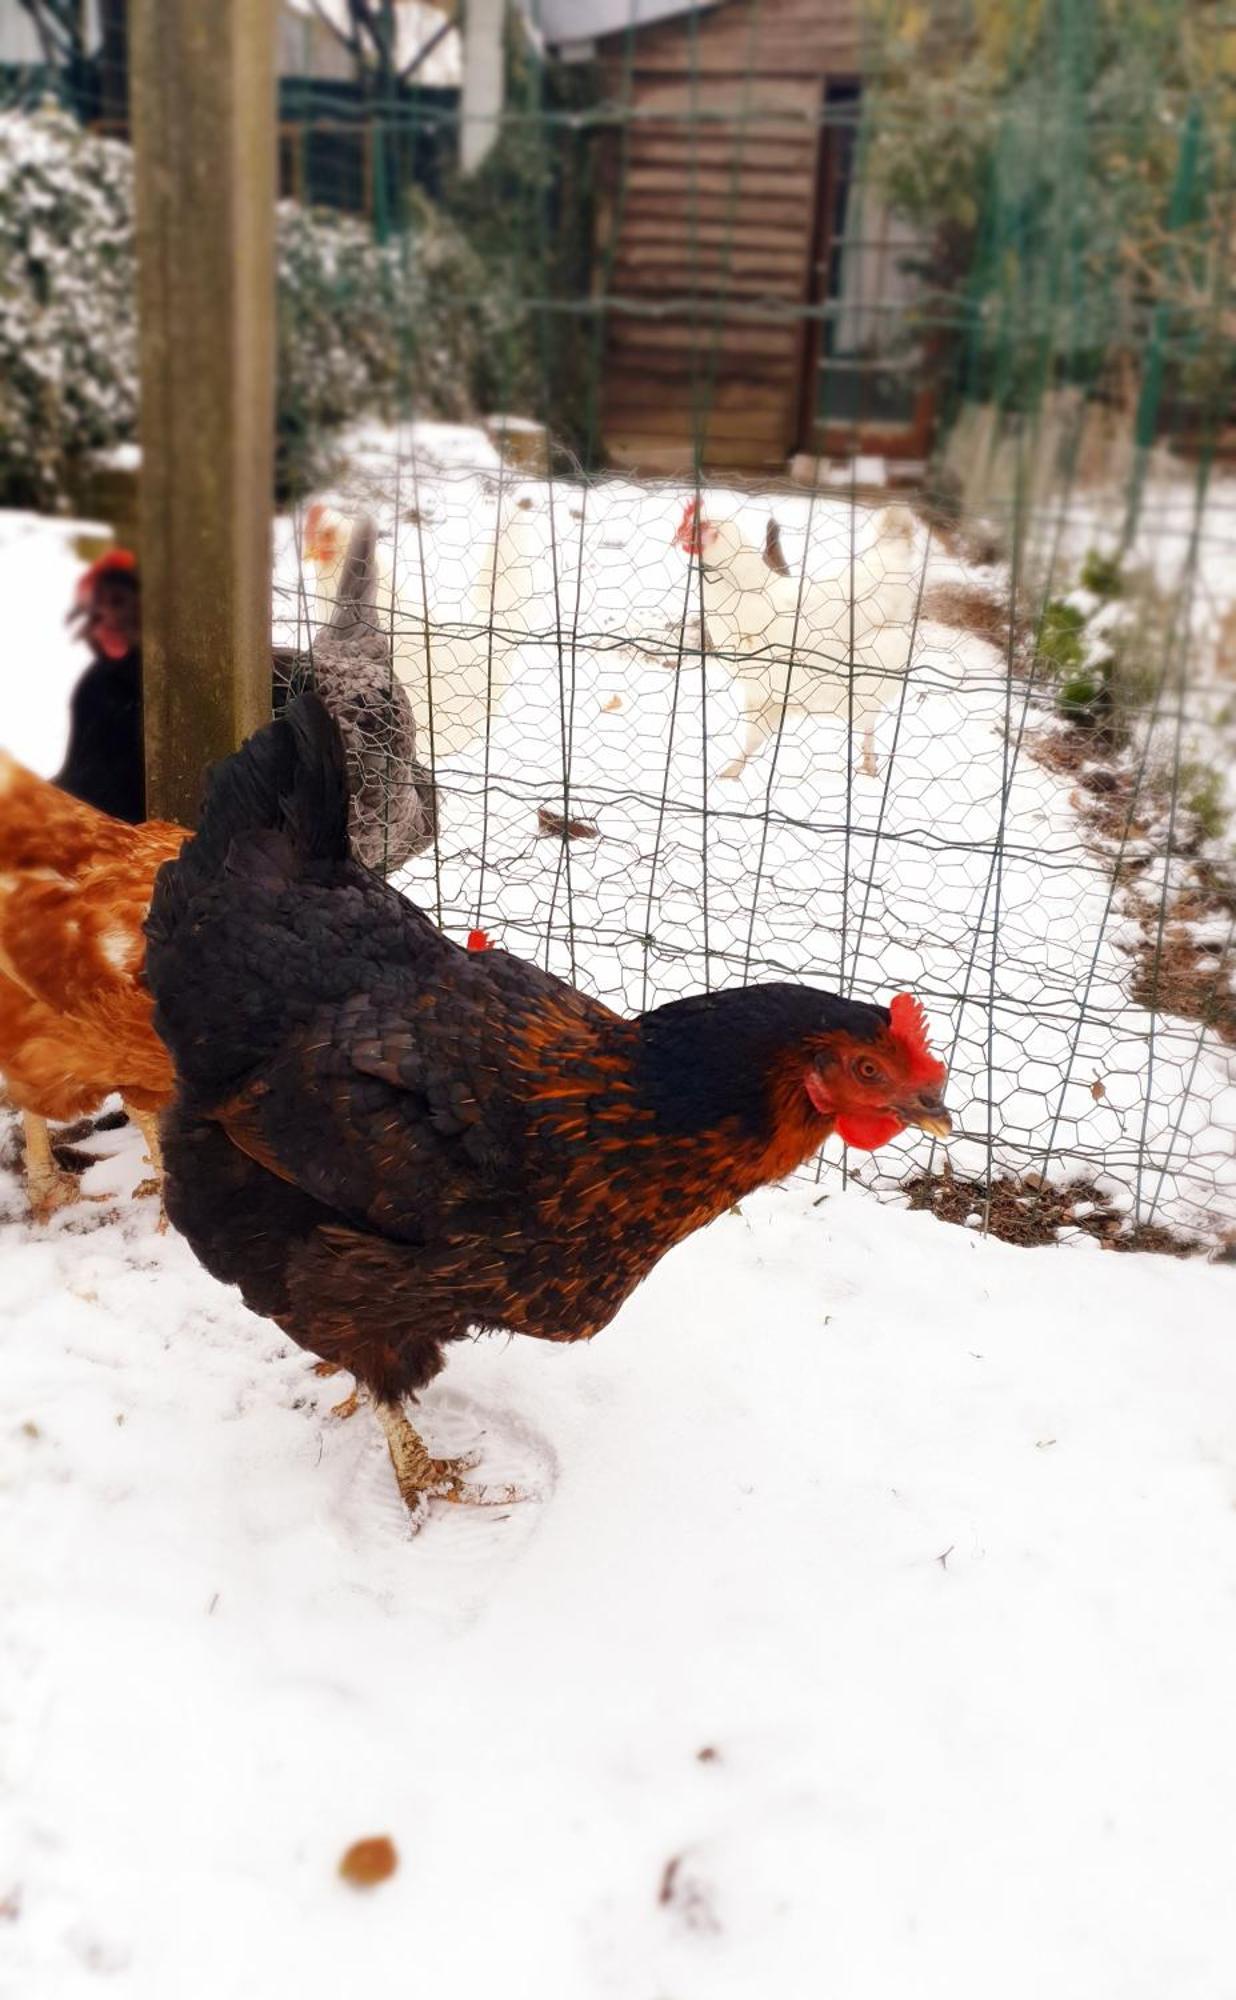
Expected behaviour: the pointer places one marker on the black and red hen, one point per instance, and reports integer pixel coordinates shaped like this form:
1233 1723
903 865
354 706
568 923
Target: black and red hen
389 1141
104 763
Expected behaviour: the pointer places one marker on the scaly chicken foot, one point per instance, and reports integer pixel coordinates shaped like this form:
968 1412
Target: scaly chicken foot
421 1477
48 1186
147 1125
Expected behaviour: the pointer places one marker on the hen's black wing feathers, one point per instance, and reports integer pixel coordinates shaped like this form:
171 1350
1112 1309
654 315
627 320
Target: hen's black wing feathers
342 1041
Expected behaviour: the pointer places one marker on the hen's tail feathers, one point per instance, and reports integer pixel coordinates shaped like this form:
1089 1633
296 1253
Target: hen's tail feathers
895 524
356 594
279 802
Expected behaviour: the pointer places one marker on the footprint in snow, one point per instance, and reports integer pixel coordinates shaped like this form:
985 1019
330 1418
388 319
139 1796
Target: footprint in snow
470 1547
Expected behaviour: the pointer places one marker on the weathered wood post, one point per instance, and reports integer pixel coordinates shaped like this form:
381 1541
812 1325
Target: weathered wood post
203 98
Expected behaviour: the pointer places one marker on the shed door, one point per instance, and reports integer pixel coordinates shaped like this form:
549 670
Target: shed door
865 384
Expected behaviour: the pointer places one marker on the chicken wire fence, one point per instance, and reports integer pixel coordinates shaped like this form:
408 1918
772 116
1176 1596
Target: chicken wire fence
949 710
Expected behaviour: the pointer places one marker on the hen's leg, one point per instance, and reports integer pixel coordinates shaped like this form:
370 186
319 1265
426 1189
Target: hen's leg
47 1185
148 1125
421 1477
758 725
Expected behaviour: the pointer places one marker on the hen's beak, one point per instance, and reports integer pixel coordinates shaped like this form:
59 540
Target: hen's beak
929 1113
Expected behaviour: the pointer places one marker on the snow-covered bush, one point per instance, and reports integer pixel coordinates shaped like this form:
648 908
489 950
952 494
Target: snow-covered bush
369 327
68 345
361 326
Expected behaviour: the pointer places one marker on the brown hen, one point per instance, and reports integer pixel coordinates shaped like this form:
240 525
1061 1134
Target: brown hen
75 1012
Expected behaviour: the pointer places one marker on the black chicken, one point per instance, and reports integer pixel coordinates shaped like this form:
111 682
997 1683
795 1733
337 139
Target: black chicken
388 1141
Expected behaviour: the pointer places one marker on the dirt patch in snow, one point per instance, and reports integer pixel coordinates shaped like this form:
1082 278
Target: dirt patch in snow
1183 971
973 608
1030 1211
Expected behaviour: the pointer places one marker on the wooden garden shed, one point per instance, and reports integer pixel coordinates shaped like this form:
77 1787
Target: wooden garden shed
755 295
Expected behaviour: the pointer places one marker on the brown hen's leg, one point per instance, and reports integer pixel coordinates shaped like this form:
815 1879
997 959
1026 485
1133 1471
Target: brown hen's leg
147 1123
48 1186
421 1477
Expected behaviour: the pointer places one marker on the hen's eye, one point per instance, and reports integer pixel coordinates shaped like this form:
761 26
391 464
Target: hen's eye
867 1071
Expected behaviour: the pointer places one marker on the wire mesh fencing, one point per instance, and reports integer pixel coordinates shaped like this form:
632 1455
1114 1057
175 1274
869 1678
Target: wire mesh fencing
799 454
663 766
953 711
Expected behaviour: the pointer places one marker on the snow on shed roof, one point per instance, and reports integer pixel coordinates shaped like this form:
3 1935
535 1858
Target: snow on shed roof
583 20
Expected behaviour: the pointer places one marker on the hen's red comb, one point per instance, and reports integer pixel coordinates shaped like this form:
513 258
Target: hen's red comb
908 1021
688 528
113 562
478 941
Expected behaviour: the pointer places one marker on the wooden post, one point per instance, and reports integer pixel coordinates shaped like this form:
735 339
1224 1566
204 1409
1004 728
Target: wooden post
202 86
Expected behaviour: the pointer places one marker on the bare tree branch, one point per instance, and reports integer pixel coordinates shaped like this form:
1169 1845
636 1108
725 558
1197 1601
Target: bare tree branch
371 36
351 42
57 23
425 50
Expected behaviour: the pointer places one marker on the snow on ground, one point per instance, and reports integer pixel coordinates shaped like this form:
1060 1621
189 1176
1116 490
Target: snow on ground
868 1628
39 568
872 1635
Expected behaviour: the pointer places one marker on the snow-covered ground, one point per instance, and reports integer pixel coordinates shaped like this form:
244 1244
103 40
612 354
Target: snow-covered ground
869 1629
872 1635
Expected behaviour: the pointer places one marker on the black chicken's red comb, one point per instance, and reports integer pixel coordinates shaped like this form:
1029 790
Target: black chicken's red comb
478 941
113 562
908 1020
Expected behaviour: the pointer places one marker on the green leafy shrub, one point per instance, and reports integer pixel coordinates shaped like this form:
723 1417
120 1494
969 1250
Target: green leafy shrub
1201 793
1102 575
1059 644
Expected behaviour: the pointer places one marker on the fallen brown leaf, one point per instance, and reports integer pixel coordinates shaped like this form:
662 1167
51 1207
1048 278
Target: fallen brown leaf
368 1862
554 823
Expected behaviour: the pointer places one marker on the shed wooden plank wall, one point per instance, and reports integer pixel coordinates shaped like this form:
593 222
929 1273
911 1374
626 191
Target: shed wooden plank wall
712 174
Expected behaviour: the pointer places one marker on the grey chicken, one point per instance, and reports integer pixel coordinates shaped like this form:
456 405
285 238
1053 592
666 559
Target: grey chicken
393 801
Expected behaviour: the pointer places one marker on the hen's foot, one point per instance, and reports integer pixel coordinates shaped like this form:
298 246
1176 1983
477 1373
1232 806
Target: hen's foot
51 1190
326 1368
421 1477
348 1407
48 1186
147 1123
